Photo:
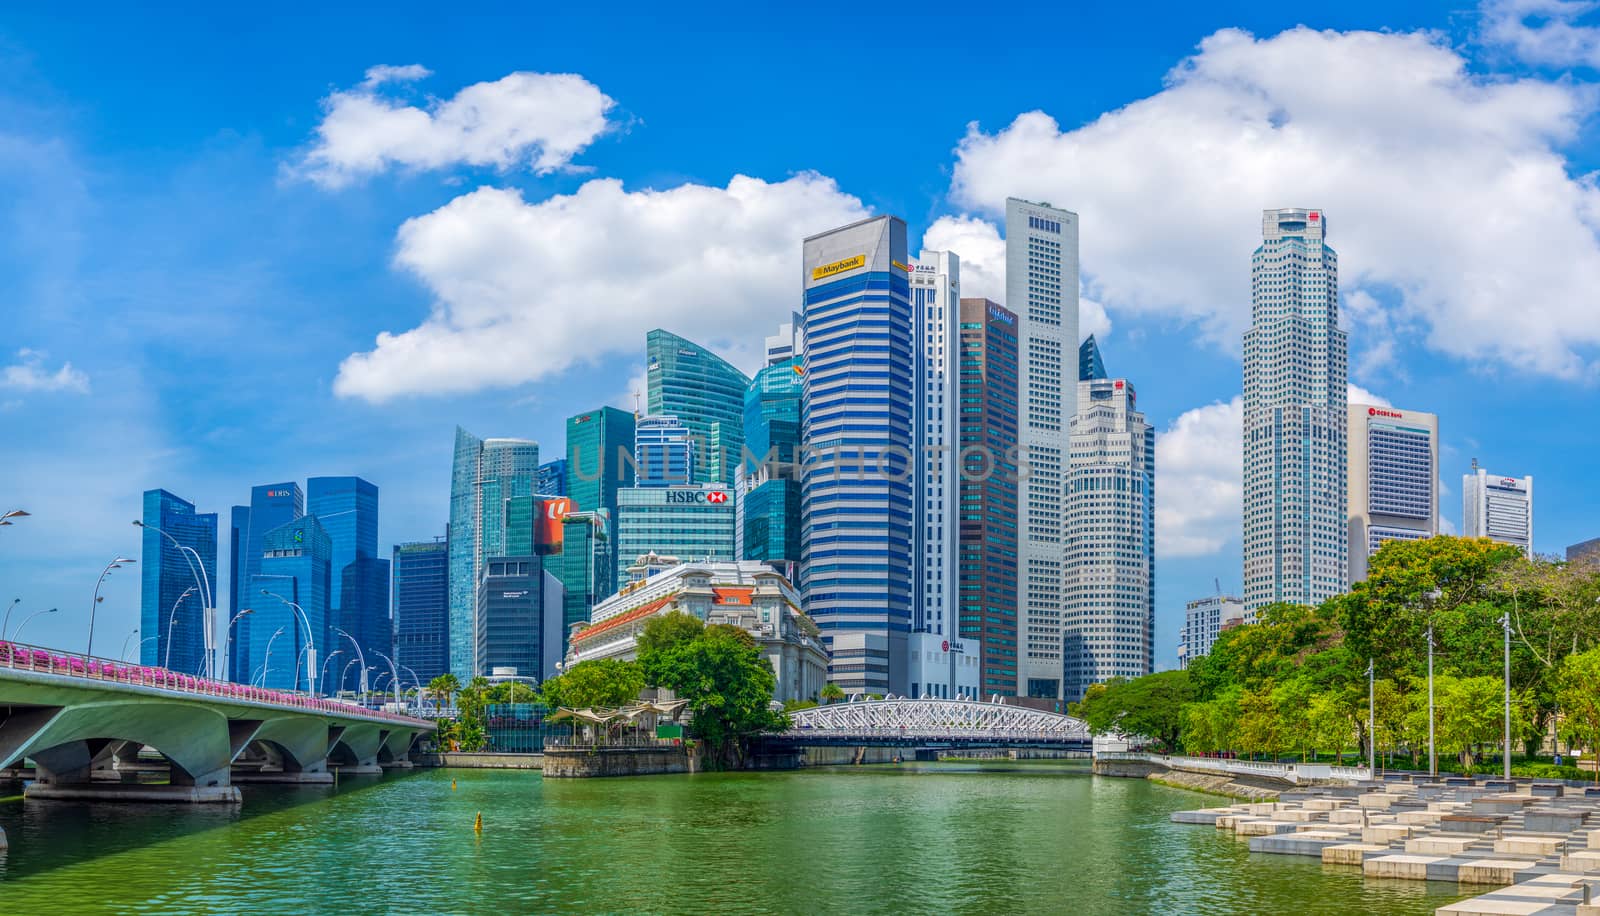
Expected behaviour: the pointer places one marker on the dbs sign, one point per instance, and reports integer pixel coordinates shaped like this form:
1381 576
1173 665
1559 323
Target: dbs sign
548 534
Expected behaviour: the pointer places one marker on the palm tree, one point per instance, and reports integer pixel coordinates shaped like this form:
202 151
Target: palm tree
831 693
442 688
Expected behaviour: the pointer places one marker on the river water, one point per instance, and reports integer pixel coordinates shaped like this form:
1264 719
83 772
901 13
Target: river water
978 838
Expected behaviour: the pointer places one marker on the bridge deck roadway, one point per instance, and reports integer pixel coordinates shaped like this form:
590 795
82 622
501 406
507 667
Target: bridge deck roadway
82 721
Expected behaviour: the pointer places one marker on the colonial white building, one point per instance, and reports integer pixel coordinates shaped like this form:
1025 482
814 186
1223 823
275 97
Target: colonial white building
747 594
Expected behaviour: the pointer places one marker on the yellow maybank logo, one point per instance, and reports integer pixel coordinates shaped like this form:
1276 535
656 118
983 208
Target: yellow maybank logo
838 267
904 267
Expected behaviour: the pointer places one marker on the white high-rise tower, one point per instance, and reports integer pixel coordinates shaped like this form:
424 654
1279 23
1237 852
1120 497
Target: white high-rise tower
1042 288
1295 371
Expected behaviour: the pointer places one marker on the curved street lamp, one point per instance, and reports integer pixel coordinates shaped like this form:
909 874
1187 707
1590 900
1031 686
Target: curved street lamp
122 655
18 635
343 675
322 675
5 623
114 564
14 513
228 643
395 670
197 568
311 641
267 659
359 654
172 621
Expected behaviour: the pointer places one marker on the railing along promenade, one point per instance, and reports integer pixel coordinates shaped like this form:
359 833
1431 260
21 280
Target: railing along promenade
1296 773
21 657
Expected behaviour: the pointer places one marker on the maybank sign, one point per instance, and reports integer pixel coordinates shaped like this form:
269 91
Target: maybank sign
825 271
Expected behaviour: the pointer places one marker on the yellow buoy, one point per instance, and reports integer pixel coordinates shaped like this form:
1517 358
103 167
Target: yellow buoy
452 785
477 825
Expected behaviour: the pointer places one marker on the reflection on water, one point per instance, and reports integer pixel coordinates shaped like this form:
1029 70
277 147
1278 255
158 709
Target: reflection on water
993 837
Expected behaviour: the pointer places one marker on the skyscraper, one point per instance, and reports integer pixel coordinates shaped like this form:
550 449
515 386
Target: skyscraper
768 485
690 523
1042 288
358 601
935 312
705 393
987 511
1295 368
664 452
599 445
552 480
858 491
584 566
287 643
174 582
1090 365
1110 556
422 608
485 473
790 341
1203 621
271 506
1499 508
1393 479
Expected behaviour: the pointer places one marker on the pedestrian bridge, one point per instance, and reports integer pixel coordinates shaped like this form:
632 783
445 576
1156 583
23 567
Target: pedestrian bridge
83 722
934 723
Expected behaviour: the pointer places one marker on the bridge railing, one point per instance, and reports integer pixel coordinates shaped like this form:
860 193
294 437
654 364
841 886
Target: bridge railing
997 734
21 657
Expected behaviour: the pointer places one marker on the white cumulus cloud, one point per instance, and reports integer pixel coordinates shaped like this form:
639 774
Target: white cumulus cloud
29 373
1543 31
1355 394
1446 188
524 290
535 120
1199 473
983 266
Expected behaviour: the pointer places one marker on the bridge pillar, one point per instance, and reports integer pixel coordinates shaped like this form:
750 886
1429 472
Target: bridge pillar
355 748
284 749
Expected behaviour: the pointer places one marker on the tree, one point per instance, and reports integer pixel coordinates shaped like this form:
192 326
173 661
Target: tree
442 688
1471 712
1330 723
1578 692
831 693
597 682
1257 727
728 686
1291 706
668 631
1151 706
512 692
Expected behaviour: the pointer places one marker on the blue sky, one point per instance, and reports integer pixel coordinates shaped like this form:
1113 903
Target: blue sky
210 218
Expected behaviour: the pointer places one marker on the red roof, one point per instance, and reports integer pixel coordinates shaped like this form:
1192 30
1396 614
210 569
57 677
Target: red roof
643 610
732 595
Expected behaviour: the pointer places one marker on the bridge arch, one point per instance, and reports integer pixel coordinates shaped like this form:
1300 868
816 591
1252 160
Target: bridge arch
936 720
67 742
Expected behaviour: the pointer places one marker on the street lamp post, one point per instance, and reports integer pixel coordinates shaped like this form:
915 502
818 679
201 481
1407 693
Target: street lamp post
202 581
322 675
395 671
346 672
311 641
18 636
122 655
114 564
1433 761
1372 721
5 623
359 654
267 658
227 660
1505 626
5 520
172 621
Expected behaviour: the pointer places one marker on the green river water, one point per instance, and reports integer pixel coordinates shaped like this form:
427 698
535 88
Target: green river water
915 838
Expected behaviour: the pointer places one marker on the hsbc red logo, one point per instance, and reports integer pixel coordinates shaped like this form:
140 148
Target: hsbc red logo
717 497
1314 216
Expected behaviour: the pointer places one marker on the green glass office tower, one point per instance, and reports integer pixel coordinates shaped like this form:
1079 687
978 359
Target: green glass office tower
486 472
769 483
584 567
703 391
599 462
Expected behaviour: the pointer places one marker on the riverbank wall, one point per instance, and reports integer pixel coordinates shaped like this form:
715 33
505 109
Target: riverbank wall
588 762
481 761
1250 788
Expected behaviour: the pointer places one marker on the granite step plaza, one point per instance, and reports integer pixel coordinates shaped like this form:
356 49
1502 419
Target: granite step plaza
1538 843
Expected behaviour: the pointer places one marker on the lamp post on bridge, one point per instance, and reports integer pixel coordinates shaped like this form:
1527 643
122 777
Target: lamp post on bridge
122 655
267 659
172 621
227 659
5 622
18 636
202 581
311 641
323 674
114 564
343 675
359 654
395 671
5 520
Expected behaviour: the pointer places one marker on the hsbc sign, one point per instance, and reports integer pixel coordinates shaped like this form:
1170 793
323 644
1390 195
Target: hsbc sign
696 497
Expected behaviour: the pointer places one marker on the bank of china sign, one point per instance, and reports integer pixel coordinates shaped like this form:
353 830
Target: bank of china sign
838 267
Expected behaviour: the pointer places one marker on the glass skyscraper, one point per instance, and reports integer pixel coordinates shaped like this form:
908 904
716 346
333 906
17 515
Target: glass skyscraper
769 482
286 645
1090 365
585 567
347 508
987 581
599 443
857 487
422 608
484 474
1295 372
166 573
664 452
552 478
271 506
690 523
705 393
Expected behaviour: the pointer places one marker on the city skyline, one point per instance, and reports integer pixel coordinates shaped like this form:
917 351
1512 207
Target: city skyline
1167 330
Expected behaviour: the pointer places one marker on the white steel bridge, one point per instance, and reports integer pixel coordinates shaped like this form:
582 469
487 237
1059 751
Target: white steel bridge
933 723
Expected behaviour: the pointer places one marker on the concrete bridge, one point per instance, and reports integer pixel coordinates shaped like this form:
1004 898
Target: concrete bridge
933 724
92 728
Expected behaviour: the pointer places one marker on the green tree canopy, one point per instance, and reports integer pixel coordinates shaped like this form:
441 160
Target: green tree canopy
728 684
597 682
1150 706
